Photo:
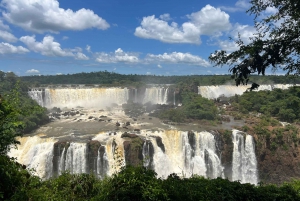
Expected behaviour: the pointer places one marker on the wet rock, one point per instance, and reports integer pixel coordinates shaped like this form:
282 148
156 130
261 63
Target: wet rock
129 135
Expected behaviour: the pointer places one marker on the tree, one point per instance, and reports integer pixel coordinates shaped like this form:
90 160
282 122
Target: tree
276 43
10 125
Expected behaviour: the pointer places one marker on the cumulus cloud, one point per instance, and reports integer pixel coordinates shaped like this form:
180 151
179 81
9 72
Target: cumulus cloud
47 47
81 56
177 58
159 66
32 71
240 5
6 48
119 56
46 16
207 21
4 35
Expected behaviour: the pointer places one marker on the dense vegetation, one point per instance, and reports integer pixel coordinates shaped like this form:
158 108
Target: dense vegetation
281 104
114 79
136 183
18 112
194 107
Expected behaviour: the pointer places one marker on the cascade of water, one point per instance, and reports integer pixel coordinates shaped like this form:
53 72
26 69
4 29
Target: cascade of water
87 97
156 95
61 166
146 154
174 99
135 96
244 165
213 92
76 158
162 163
36 153
102 162
37 95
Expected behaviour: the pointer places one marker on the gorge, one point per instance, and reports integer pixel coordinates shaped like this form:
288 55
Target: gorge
90 136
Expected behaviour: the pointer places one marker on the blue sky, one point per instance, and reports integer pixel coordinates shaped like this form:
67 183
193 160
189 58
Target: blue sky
161 37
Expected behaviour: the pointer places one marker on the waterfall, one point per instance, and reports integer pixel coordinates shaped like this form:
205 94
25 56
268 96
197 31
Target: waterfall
165 151
213 92
102 162
156 95
244 165
174 98
36 153
37 95
135 96
73 97
61 167
76 158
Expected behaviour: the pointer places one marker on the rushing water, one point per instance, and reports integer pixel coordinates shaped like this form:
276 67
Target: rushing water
166 152
213 92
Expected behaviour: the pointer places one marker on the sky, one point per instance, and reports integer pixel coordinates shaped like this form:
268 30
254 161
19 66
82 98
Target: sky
155 37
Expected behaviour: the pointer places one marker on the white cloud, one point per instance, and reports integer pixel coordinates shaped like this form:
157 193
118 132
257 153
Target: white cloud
207 21
4 35
32 71
65 38
6 48
46 16
118 56
177 58
148 73
165 17
245 32
240 5
88 48
47 47
81 56
159 66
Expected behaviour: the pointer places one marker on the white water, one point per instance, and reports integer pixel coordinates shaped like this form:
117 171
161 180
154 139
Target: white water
76 158
84 97
156 95
244 165
36 153
184 154
213 92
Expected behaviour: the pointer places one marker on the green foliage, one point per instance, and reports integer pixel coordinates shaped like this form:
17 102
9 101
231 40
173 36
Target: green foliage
17 103
276 43
282 104
136 183
186 82
16 181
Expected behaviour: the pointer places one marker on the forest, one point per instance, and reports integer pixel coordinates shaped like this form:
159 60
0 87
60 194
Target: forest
106 78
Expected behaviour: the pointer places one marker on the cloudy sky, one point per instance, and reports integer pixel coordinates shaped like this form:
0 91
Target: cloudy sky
161 37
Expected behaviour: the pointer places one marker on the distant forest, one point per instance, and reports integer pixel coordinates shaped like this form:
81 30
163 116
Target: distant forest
114 79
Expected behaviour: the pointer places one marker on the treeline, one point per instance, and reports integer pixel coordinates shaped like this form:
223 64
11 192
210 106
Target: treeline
281 104
110 78
138 184
14 96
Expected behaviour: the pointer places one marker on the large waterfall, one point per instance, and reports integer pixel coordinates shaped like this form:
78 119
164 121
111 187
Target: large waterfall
213 92
95 97
165 151
84 97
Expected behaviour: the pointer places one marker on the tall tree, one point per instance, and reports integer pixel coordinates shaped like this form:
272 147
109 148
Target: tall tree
276 43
